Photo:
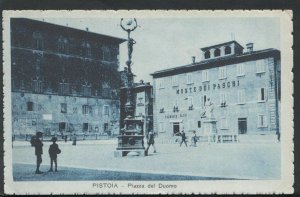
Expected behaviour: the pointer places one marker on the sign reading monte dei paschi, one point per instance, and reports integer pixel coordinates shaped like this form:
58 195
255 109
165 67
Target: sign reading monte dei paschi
244 87
63 79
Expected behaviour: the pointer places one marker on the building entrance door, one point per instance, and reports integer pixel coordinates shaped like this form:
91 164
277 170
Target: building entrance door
242 125
175 127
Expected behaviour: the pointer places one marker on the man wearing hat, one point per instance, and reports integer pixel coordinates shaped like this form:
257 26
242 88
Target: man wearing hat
53 151
38 144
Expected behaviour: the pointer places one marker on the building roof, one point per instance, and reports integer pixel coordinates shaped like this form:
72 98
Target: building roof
222 61
222 44
51 27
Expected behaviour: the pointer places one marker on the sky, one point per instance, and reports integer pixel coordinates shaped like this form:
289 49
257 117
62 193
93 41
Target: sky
163 43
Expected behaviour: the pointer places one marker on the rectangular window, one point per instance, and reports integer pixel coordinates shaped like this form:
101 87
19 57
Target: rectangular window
240 69
63 108
190 101
222 98
260 66
85 109
105 126
262 121
205 76
175 80
29 106
199 124
189 79
262 94
106 110
222 72
85 127
223 124
241 96
204 100
62 126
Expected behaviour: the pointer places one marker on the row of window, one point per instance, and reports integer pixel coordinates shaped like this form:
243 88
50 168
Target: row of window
86 109
241 99
240 71
37 86
63 46
63 126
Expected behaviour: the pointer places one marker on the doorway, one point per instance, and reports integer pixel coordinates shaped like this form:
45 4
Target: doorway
176 128
242 125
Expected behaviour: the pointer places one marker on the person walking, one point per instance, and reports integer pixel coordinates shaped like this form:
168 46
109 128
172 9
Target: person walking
183 137
194 139
53 151
150 141
278 136
38 145
74 139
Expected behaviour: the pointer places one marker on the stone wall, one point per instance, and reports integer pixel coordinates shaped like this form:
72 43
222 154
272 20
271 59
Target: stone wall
47 112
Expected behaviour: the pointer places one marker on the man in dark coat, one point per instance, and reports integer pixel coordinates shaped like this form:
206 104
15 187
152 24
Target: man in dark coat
183 137
38 145
150 141
53 151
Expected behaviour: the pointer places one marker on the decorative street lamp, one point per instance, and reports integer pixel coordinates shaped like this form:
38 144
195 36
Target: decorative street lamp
129 25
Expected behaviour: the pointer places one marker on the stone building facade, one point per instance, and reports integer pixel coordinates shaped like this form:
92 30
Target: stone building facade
63 79
244 88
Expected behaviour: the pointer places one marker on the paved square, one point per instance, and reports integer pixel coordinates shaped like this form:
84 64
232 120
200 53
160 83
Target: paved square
238 161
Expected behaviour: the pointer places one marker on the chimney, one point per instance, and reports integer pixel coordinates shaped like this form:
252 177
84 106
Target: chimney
249 47
87 29
193 59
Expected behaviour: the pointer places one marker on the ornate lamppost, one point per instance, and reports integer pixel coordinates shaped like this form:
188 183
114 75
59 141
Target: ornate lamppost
129 25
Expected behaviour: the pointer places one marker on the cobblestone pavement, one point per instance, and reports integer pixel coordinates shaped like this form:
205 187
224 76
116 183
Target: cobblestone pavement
240 161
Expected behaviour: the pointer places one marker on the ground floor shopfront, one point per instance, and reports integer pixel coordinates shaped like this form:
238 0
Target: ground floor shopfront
247 119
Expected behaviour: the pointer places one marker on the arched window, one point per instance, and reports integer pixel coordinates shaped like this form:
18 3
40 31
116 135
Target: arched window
207 54
217 52
227 50
86 49
37 40
106 56
63 45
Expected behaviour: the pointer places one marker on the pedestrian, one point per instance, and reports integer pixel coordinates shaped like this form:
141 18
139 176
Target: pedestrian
150 142
74 139
278 135
183 137
38 145
53 151
66 138
194 139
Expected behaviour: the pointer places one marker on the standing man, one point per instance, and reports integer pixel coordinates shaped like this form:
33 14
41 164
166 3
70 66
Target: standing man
150 142
183 137
38 145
